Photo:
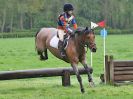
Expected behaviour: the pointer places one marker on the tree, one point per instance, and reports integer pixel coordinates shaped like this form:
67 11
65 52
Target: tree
28 14
3 8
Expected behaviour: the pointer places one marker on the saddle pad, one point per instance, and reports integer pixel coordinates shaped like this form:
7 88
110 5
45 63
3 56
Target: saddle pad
54 42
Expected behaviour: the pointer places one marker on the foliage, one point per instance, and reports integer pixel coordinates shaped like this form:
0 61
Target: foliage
17 35
28 14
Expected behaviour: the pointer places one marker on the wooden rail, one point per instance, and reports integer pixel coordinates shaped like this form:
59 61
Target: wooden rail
118 71
21 74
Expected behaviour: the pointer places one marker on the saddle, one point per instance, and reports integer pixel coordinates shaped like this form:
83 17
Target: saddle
55 40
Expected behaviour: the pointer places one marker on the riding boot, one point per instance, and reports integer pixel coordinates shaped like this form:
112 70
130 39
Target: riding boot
61 49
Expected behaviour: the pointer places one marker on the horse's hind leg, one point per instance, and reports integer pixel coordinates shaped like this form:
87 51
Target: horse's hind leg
43 55
40 53
46 54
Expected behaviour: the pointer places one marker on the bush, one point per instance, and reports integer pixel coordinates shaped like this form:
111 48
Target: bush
17 35
31 33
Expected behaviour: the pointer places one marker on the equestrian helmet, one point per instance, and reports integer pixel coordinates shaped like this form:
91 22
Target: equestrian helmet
68 7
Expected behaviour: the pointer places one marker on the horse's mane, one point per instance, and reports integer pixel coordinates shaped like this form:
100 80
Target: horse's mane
79 29
82 30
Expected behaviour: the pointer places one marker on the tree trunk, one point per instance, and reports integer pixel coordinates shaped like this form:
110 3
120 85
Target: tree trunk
31 22
21 21
11 23
106 10
4 20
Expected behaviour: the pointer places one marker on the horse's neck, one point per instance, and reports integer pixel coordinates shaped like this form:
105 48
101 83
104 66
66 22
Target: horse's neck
79 44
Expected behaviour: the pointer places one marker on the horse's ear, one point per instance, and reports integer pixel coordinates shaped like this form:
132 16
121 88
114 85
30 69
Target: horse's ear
86 28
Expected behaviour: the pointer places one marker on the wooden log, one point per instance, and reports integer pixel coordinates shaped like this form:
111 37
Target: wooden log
123 63
123 68
123 77
125 72
21 74
119 83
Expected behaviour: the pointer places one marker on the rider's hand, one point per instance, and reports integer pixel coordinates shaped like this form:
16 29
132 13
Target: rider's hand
71 32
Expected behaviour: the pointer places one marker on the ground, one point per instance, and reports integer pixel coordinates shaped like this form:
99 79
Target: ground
19 53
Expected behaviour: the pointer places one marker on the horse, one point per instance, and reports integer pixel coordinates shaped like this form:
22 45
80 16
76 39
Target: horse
75 49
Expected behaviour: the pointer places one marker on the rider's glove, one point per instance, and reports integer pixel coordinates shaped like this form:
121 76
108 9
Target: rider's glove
70 31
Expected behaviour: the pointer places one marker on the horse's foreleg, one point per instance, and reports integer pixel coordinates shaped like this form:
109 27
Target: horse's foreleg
78 77
89 71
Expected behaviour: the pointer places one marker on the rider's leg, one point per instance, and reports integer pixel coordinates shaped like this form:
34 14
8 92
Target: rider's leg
61 39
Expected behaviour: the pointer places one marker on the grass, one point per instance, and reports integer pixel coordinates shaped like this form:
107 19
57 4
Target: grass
19 53
50 88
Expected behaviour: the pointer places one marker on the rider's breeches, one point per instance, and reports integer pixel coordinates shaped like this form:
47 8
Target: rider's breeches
61 34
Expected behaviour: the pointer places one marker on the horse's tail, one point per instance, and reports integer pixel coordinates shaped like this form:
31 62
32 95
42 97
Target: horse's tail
36 38
37 33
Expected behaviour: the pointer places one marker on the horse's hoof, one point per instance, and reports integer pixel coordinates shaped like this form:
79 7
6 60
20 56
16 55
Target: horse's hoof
82 90
43 59
46 58
91 84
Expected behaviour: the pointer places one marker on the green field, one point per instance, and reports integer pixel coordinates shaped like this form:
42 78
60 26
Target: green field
19 53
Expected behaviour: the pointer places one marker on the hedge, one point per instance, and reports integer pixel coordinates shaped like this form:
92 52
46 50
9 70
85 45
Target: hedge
17 35
32 34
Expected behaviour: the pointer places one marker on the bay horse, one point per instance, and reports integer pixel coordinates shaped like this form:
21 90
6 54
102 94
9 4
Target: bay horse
75 50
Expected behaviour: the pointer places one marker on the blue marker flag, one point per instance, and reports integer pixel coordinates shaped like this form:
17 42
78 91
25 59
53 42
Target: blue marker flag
103 32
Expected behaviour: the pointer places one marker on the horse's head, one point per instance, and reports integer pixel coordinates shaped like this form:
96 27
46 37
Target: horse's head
88 38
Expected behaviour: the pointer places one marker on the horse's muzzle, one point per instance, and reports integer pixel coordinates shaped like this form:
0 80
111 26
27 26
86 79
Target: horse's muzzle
94 50
93 47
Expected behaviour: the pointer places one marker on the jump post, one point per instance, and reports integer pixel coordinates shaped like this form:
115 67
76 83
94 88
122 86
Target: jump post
118 72
21 74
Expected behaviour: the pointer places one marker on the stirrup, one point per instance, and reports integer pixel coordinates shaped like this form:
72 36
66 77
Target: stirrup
62 54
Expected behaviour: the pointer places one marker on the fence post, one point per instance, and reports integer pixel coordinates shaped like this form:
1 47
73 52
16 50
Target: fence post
107 70
111 70
66 78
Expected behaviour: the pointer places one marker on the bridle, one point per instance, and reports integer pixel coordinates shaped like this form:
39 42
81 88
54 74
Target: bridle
86 44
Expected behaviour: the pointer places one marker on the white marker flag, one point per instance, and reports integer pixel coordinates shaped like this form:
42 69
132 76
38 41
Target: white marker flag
93 25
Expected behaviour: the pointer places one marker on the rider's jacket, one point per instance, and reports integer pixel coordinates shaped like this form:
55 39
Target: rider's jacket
64 22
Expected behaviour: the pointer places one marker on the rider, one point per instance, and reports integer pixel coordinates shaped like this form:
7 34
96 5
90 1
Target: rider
64 21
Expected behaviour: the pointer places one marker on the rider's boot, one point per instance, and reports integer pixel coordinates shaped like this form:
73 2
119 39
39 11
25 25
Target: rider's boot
61 49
